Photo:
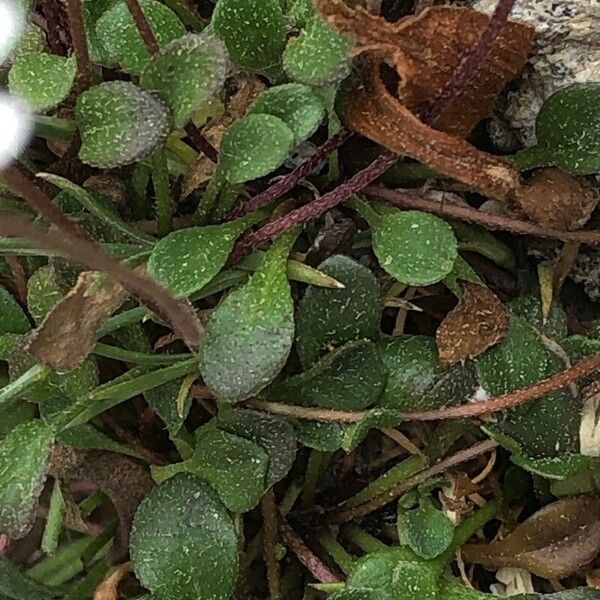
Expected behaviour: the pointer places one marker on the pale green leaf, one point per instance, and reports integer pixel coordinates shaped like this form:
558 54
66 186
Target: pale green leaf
12 317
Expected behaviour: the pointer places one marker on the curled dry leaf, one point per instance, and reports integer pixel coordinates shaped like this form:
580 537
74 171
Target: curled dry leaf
479 321
109 588
125 481
554 543
428 48
558 200
249 87
67 335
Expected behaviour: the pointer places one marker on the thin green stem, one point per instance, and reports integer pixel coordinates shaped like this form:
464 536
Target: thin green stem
162 191
182 150
314 468
16 388
363 540
344 560
138 358
472 524
54 128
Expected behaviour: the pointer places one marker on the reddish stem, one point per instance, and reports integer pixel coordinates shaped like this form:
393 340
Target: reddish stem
80 47
143 25
201 143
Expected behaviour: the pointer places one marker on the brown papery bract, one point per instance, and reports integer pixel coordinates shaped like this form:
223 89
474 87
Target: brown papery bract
478 322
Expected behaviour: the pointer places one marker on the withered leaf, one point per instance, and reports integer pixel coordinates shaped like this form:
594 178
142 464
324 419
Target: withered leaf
553 543
109 587
376 114
479 321
67 335
558 200
125 481
428 48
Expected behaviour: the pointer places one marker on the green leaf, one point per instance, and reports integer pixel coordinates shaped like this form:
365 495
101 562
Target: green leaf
186 73
120 124
119 36
556 468
414 379
249 336
320 56
331 317
477 239
376 417
253 146
92 11
414 247
12 317
275 436
44 292
183 542
17 586
461 271
427 530
42 80
186 260
24 455
32 41
529 308
349 378
104 212
163 400
325 437
295 104
253 31
235 467
568 131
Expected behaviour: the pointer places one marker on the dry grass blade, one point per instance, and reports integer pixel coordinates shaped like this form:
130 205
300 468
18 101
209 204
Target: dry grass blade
109 588
180 316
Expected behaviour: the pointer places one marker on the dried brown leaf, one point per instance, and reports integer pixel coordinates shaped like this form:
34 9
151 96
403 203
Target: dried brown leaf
556 199
554 543
479 321
428 48
249 87
125 481
109 588
376 114
67 335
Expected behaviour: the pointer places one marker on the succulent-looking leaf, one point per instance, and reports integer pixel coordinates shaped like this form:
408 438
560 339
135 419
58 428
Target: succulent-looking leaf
186 260
15 585
44 292
12 317
184 543
92 11
568 131
295 104
275 436
320 56
254 146
163 400
253 30
376 417
555 542
478 322
427 530
24 455
331 317
415 247
414 379
42 80
529 309
349 378
325 437
249 336
119 36
32 41
186 73
235 467
120 124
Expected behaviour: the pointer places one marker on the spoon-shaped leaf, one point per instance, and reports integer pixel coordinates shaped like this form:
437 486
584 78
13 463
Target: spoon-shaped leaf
253 30
186 260
24 455
295 104
415 247
183 542
42 80
120 124
119 36
187 72
254 146
249 336
333 317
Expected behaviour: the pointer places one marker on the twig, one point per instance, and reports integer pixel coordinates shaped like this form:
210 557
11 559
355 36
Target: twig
289 181
405 199
271 528
200 142
306 556
307 413
80 47
143 26
471 63
54 14
180 316
512 399
336 516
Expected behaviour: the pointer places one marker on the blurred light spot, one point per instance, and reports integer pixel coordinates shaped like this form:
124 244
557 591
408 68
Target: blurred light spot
12 22
15 128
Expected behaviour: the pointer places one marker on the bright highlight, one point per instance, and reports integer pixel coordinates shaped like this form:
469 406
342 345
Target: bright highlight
12 22
15 128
